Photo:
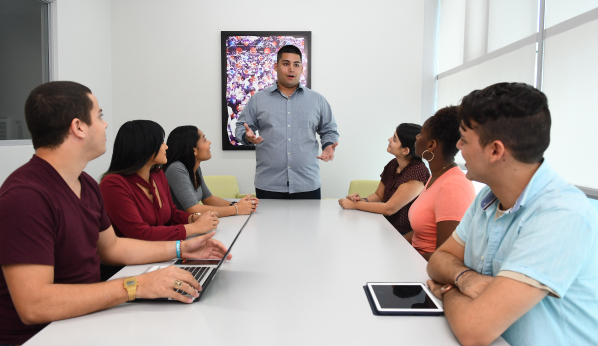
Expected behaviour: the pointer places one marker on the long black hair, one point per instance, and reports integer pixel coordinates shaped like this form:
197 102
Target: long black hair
407 133
137 142
181 142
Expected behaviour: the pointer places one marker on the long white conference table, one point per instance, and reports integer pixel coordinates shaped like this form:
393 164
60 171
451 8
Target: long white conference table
296 278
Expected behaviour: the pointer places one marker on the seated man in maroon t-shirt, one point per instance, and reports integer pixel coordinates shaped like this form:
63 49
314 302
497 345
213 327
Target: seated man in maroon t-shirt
55 230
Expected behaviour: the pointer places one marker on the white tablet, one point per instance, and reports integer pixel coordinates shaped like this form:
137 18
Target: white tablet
403 298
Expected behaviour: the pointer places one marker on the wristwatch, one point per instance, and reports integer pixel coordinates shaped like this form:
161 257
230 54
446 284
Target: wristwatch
130 285
233 203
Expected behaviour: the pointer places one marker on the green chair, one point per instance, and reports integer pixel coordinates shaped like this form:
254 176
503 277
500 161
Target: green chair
363 187
224 186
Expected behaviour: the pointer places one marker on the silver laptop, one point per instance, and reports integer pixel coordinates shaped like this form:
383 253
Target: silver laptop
204 270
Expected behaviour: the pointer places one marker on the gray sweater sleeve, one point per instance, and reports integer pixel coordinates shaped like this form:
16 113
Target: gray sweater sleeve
181 187
205 192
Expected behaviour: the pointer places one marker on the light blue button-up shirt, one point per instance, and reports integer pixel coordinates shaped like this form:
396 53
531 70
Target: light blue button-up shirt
551 236
286 159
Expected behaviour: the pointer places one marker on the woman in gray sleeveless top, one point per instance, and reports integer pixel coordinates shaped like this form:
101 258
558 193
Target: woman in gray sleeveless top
187 148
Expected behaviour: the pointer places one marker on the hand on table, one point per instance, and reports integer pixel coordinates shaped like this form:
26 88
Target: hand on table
328 153
250 135
203 247
354 197
438 289
196 216
247 205
160 284
346 203
205 222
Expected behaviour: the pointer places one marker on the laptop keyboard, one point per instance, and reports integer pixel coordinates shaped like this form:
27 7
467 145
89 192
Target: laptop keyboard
197 272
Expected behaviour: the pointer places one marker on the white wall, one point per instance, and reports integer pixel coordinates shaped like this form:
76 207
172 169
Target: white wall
570 83
161 60
366 56
83 55
429 55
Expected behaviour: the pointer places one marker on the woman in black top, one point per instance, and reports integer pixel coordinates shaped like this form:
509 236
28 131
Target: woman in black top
401 182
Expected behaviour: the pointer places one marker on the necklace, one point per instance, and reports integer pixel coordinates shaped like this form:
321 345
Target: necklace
439 174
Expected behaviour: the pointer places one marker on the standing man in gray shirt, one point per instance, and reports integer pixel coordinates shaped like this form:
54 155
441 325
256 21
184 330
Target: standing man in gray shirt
288 115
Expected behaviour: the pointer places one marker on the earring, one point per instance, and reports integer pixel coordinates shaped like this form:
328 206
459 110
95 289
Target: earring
430 160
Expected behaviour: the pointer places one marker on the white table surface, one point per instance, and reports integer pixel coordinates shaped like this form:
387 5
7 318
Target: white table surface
296 278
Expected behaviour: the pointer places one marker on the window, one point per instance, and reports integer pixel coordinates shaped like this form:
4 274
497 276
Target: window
24 62
550 44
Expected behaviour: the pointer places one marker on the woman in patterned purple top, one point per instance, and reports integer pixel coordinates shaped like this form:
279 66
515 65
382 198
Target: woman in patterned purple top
401 182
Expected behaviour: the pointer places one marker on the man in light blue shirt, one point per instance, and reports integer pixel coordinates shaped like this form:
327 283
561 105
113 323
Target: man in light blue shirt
288 115
523 262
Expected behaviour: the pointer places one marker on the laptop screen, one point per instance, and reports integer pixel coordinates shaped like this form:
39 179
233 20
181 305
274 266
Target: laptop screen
233 243
184 261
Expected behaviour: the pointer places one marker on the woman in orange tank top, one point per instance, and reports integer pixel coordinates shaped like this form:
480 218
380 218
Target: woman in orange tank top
439 208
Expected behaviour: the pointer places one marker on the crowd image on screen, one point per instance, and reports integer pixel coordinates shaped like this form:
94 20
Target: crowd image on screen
250 68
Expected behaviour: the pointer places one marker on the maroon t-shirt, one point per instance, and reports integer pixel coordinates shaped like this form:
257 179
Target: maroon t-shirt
415 170
44 222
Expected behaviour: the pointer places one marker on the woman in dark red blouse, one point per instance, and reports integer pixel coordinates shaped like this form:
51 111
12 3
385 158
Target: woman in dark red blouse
136 192
401 182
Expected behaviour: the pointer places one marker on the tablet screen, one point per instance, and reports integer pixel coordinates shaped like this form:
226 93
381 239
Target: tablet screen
402 296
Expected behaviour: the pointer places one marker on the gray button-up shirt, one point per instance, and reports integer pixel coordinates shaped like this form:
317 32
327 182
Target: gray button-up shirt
288 126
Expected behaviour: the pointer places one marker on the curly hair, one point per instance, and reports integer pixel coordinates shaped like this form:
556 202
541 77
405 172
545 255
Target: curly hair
444 128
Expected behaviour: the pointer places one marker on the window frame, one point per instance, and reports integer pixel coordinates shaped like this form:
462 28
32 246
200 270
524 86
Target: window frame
49 61
542 33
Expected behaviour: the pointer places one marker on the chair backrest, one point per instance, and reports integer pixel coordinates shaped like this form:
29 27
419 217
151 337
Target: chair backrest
363 187
223 186
241 195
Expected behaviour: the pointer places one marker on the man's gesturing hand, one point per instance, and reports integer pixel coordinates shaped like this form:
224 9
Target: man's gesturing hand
250 135
328 153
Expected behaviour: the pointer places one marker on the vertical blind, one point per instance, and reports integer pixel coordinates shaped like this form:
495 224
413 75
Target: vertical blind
550 44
